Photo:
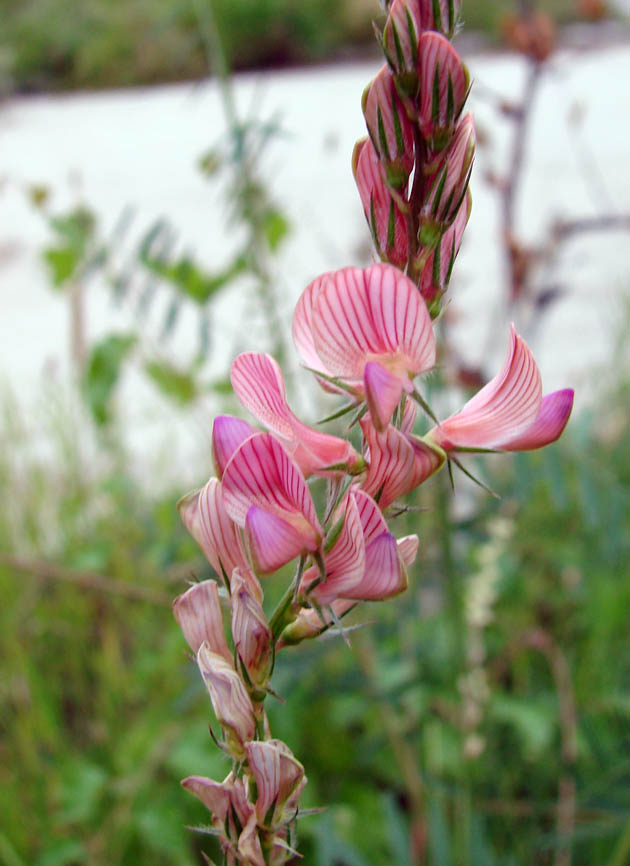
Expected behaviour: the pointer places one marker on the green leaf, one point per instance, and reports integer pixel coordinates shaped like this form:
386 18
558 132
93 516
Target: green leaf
276 228
62 263
62 852
173 383
103 371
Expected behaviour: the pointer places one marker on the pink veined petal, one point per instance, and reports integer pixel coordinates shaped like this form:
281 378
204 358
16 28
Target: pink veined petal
383 391
375 314
302 325
551 420
345 563
502 410
262 473
215 796
384 575
272 541
399 463
410 413
228 433
198 614
373 523
408 549
205 517
259 384
438 61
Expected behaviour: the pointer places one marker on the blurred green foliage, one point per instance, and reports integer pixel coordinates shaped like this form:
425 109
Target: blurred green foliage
101 712
60 44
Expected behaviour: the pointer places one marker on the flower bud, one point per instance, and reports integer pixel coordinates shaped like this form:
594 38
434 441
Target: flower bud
249 847
400 44
389 127
444 86
448 183
198 614
279 779
436 274
310 623
251 632
231 704
385 218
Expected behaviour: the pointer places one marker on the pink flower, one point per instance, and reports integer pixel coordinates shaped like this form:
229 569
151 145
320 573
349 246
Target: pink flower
444 86
198 614
367 327
385 218
389 127
259 385
509 413
398 461
265 492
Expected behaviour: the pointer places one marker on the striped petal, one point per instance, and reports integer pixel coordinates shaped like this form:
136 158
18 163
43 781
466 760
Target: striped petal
215 796
204 515
375 314
272 541
503 410
383 391
261 473
444 85
228 433
408 549
390 129
373 523
398 462
198 614
385 575
259 385
551 420
277 774
303 325
345 564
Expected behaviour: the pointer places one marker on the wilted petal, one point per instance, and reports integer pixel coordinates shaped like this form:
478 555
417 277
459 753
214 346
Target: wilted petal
503 410
261 473
231 704
204 515
398 462
215 796
278 775
249 847
372 314
198 614
259 385
444 85
551 420
383 391
250 630
228 433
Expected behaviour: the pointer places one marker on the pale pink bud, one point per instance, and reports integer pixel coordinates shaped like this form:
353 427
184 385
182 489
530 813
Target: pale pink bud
279 779
448 183
230 701
444 86
198 614
385 218
251 632
390 129
310 623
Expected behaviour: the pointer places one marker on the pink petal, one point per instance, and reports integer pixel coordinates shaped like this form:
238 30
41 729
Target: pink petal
262 473
551 420
399 463
504 408
375 314
383 391
228 433
408 549
373 523
345 563
259 384
439 62
384 575
391 130
409 416
302 325
205 517
198 614
437 271
272 541
215 796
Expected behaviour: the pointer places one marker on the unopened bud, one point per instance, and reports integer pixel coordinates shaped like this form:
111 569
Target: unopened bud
231 704
389 127
250 630
449 179
400 44
437 271
444 86
385 218
279 779
198 614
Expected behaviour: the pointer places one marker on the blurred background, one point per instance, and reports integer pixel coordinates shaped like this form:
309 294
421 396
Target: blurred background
172 175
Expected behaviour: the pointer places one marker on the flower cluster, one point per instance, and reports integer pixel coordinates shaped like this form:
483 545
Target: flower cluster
367 334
